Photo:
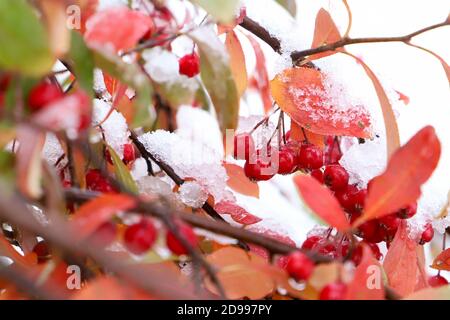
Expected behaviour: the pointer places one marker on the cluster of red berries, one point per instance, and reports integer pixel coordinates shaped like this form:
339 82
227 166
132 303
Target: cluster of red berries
141 236
189 65
260 164
300 267
95 181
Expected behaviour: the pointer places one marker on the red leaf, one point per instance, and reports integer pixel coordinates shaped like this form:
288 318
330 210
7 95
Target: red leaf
404 270
442 261
300 92
94 213
325 32
261 78
237 213
322 202
239 182
408 169
120 27
367 283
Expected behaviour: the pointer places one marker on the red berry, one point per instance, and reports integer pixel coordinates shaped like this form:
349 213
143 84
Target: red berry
299 266
311 242
427 235
408 212
318 175
437 281
328 250
311 157
335 177
258 171
244 146
129 154
333 291
371 231
345 197
42 251
105 234
42 95
175 245
140 237
96 182
390 222
286 161
190 65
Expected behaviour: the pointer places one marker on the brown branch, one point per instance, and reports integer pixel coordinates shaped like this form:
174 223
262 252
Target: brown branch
59 233
299 55
219 227
261 33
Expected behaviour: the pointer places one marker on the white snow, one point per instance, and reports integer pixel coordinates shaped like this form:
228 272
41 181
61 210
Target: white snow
192 194
189 159
161 65
115 128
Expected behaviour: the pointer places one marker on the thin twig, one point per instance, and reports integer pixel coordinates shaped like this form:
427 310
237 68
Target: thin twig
299 55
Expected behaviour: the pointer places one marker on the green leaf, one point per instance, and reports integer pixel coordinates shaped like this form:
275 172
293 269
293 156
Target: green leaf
223 11
133 76
24 42
7 166
122 172
289 5
181 91
217 77
83 62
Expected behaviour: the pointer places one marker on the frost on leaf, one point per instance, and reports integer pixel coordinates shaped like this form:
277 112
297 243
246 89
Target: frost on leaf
319 104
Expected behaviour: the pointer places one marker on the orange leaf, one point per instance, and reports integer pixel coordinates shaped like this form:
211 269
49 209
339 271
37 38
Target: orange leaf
298 134
402 265
322 202
56 22
409 167
94 213
439 293
242 274
442 261
367 283
6 249
119 27
261 77
237 61
325 32
300 92
238 181
109 288
441 60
